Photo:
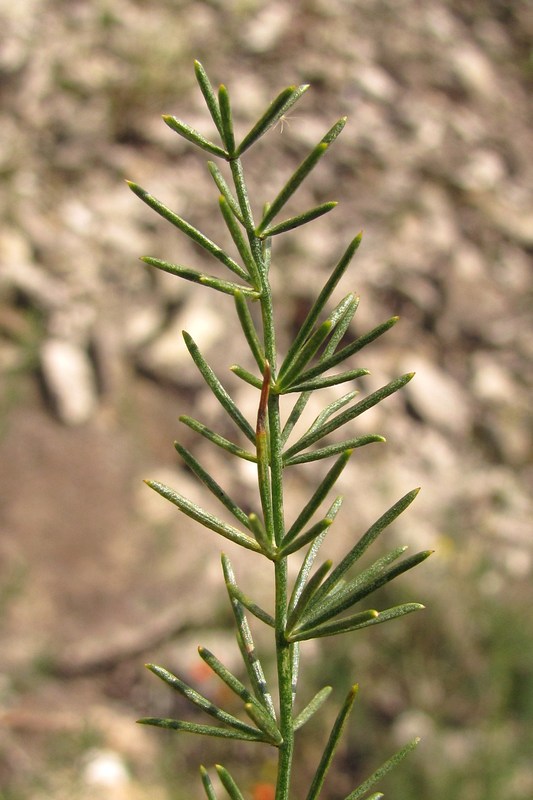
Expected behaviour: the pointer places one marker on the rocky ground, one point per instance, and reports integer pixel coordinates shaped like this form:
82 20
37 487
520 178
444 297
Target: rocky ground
96 574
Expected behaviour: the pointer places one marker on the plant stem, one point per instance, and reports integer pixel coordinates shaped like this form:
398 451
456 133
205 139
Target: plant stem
284 659
284 664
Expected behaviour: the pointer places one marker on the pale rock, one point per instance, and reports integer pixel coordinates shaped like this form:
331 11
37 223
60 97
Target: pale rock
105 768
376 83
267 27
473 69
168 358
483 171
437 397
69 379
490 381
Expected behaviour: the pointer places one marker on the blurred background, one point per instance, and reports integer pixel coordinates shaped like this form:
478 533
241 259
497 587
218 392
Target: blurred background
98 576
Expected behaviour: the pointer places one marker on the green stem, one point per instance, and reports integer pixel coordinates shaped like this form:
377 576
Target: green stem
284 664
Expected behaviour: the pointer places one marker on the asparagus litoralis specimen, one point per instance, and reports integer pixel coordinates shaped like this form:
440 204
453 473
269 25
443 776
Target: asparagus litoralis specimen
321 601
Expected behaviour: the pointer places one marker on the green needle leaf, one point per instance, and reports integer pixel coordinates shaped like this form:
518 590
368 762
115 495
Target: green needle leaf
216 387
217 439
331 746
188 229
252 607
365 541
239 241
324 295
300 174
359 793
258 529
246 643
346 416
318 496
331 409
333 449
224 190
193 136
202 730
296 360
304 571
264 722
241 691
332 380
209 95
212 485
300 541
226 287
199 700
274 112
228 783
349 350
204 517
208 786
300 219
287 374
248 327
354 622
304 594
227 121
242 194
312 707
246 376
359 588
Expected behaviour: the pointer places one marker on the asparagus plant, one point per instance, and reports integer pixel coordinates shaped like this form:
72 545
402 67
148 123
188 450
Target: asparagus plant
321 601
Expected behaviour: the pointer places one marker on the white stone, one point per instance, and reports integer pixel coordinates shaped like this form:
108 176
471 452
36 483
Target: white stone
69 379
105 768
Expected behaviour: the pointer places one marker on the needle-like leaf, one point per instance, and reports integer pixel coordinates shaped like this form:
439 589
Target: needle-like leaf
300 219
353 622
312 707
224 190
239 241
331 746
246 376
274 112
188 229
365 541
301 598
349 350
227 121
333 449
228 783
204 517
324 296
304 538
305 569
212 485
249 330
206 782
372 579
217 439
318 496
216 387
300 174
346 416
193 275
209 95
361 790
332 380
252 607
202 730
246 643
199 700
193 136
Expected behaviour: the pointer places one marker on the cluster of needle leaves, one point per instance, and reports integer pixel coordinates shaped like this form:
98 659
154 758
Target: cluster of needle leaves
321 601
